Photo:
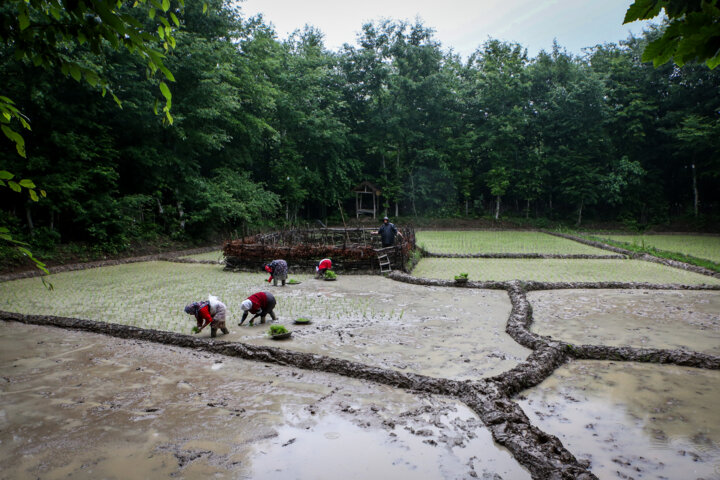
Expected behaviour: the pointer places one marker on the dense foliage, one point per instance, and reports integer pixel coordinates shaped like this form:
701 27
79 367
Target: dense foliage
269 131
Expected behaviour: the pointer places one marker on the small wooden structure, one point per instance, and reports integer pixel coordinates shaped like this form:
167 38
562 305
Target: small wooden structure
354 250
361 192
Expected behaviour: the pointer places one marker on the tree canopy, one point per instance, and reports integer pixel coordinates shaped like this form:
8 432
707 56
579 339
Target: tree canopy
267 131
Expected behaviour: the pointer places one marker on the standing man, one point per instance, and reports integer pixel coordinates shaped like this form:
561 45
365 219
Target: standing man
259 304
387 232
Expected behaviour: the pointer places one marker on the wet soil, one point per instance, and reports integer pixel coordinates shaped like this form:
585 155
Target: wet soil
82 405
631 420
688 320
434 331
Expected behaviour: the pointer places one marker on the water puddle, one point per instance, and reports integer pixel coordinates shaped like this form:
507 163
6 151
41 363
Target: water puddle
633 420
671 319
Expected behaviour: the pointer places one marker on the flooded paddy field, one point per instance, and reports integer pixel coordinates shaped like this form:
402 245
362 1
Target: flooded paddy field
435 331
688 320
558 270
633 420
82 405
470 242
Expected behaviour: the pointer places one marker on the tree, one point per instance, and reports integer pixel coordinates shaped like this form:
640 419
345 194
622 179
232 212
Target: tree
692 32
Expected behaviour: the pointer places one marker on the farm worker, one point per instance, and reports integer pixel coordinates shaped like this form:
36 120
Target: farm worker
323 266
278 270
260 303
387 232
211 312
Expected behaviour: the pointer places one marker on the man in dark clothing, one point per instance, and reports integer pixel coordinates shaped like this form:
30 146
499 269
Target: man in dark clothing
259 304
387 232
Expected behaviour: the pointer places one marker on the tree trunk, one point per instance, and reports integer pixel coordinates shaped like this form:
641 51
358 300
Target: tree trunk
527 209
579 214
28 216
397 211
160 207
497 207
467 207
696 198
181 215
412 194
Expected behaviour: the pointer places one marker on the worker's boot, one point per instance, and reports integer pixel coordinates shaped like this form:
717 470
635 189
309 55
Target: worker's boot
213 332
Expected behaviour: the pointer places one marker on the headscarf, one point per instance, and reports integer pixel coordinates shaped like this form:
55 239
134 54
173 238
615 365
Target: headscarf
246 305
192 308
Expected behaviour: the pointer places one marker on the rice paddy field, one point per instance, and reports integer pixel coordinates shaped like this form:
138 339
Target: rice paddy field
187 414
557 270
469 242
216 256
700 246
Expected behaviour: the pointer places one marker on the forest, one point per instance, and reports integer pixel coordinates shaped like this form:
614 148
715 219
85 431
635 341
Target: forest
267 132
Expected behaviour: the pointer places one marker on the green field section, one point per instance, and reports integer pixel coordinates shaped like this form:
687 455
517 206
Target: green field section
469 242
215 256
557 270
153 294
700 246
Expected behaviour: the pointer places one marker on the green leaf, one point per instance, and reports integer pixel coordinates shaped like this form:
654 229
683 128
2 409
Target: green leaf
205 7
33 195
175 19
166 5
75 72
27 183
43 193
161 32
5 175
165 90
23 21
14 186
151 14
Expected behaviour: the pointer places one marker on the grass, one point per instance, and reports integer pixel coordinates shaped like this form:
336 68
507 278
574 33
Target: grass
468 242
153 295
558 270
693 247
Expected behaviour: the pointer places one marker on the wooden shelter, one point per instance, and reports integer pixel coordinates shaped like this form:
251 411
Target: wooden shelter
362 191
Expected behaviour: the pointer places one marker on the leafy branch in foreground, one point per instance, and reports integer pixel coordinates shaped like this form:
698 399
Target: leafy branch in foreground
692 33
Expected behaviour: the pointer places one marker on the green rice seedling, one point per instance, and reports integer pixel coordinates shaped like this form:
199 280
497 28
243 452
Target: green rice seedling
700 246
469 242
277 330
560 270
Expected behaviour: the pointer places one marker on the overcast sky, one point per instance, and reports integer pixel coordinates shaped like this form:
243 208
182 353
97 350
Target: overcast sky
459 24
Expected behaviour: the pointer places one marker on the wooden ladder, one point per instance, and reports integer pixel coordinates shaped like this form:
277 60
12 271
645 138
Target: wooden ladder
384 262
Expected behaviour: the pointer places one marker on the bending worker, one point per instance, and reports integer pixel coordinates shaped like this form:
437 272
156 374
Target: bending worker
211 312
259 304
278 270
323 266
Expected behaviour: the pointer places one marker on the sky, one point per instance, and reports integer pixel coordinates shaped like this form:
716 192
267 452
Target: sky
462 25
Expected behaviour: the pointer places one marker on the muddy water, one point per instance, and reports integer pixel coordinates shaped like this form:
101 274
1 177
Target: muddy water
443 332
81 405
633 420
654 319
